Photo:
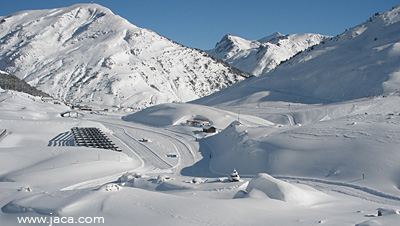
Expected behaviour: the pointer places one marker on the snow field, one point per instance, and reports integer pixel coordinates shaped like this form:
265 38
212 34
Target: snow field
318 162
343 144
305 156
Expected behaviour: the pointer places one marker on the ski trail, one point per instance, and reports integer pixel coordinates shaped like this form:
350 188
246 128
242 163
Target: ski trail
181 144
291 119
347 189
145 153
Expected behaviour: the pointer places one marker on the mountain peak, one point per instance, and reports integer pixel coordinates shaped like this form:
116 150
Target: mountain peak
85 53
92 7
230 45
390 17
261 56
270 37
88 6
361 62
226 38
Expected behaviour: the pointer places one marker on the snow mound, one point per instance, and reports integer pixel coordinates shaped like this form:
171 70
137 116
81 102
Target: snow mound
130 176
266 186
386 212
110 187
198 180
386 216
163 178
175 114
171 185
162 182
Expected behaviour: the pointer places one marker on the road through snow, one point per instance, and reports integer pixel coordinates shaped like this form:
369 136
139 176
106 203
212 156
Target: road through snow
146 154
151 158
129 133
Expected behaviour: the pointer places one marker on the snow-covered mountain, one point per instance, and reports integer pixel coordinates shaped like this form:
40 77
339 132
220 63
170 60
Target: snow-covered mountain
85 53
299 164
363 61
261 56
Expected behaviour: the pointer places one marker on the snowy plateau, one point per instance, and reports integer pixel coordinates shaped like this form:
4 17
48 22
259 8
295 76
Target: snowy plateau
315 141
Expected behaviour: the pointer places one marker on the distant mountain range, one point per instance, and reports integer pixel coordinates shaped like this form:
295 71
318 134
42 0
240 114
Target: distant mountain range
259 57
361 62
86 54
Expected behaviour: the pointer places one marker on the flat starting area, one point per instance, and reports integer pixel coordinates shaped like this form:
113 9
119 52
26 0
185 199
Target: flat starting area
92 137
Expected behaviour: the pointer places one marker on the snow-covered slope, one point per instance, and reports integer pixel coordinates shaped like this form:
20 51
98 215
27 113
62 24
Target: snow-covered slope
176 114
363 61
44 175
334 142
85 53
265 186
299 164
261 56
11 82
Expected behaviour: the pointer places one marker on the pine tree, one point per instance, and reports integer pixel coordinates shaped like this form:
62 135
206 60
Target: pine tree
234 176
12 82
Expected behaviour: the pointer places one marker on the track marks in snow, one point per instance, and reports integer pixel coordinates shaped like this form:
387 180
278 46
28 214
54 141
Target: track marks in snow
145 153
348 189
180 143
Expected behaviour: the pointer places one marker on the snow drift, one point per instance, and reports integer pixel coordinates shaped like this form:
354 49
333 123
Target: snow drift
344 145
265 186
177 114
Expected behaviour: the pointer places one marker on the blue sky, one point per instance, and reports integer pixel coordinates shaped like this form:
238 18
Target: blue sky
202 23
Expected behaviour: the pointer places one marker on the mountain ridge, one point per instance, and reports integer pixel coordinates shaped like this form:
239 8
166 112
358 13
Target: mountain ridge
258 57
361 62
85 53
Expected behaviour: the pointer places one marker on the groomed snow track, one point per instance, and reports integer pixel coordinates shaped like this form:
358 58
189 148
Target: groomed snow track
346 189
145 153
179 141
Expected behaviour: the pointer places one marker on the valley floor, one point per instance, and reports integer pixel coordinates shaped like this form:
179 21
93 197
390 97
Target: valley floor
334 164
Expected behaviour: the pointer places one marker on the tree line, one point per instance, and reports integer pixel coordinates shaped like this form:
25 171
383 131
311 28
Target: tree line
12 82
